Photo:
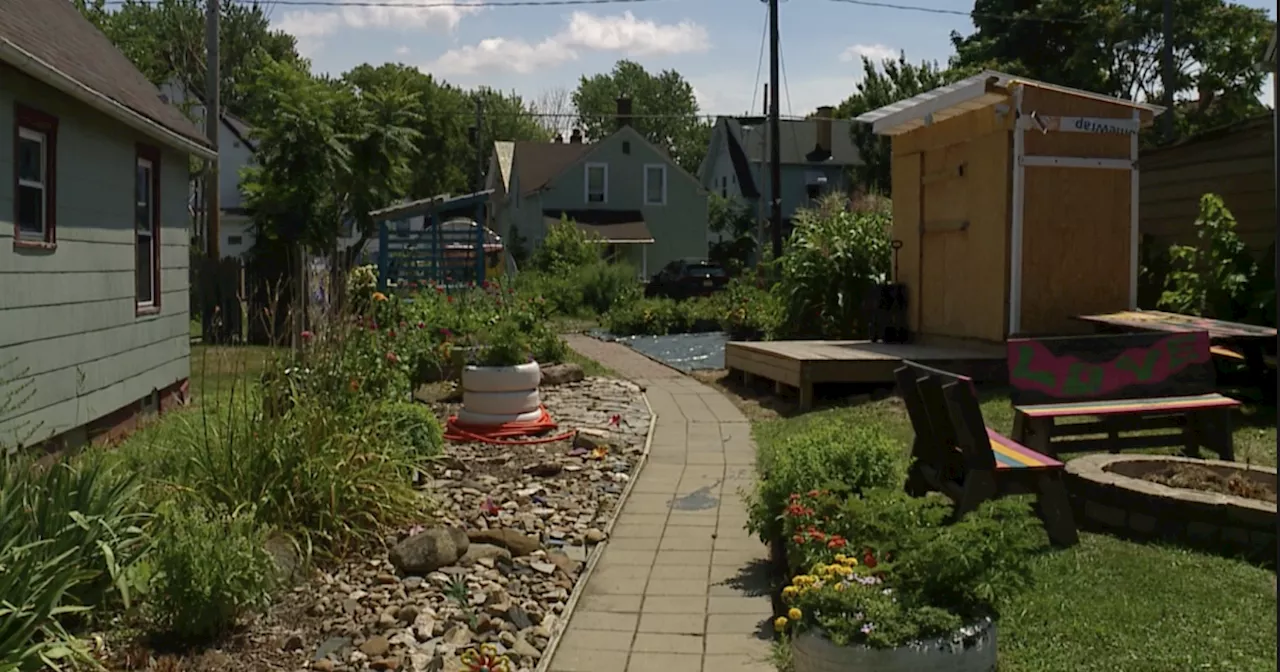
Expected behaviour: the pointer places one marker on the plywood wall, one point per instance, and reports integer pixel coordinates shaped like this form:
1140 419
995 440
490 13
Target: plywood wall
951 200
1076 221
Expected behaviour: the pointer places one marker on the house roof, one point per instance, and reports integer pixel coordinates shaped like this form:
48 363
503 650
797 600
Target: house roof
971 93
613 226
796 139
1269 56
239 128
1261 121
53 43
538 163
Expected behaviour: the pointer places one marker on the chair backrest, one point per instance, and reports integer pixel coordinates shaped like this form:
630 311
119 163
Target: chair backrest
928 407
969 427
1107 367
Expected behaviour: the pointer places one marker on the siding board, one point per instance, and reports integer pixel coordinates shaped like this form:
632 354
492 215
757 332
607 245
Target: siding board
67 316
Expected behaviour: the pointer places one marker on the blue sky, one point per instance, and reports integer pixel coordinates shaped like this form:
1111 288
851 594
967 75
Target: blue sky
715 44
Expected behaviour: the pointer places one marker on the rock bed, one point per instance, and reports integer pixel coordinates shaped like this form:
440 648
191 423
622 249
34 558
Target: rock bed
515 526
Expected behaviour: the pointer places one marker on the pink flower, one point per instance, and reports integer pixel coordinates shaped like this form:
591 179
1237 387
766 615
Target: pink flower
307 336
391 357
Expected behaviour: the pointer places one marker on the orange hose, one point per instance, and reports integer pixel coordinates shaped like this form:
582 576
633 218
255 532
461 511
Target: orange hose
502 434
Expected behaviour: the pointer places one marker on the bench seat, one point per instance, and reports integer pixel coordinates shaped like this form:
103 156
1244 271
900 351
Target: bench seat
1010 454
1126 406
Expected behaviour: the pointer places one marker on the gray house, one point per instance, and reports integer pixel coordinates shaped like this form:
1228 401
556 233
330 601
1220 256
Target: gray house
93 231
646 208
816 153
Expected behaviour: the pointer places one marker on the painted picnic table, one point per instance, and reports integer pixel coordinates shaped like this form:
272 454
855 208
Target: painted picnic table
1250 343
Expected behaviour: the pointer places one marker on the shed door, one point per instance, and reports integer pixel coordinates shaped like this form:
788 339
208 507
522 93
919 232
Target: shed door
1075 247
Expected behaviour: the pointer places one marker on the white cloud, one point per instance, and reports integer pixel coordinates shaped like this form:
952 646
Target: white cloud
311 27
875 52
402 51
623 34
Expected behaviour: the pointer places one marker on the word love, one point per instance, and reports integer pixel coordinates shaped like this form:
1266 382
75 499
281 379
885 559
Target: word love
1034 366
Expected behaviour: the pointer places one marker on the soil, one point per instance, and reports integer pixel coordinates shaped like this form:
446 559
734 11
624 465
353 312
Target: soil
1196 477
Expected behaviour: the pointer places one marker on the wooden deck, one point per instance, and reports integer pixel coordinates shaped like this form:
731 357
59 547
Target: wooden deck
802 364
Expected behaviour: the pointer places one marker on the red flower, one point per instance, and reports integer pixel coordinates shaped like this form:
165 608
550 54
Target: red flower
799 539
868 559
307 336
422 325
484 284
449 298
813 493
795 497
355 384
615 419
439 289
391 333
836 541
391 357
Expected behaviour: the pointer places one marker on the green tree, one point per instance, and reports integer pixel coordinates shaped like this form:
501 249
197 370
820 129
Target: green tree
664 108
1114 47
165 39
899 80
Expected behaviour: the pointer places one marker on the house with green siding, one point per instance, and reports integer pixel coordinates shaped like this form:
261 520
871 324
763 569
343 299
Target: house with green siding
647 210
94 220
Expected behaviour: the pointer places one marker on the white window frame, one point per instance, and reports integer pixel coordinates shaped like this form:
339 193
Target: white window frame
647 168
586 183
41 137
150 235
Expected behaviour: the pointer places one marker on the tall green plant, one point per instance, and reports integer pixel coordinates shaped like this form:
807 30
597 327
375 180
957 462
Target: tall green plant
836 253
566 248
1212 278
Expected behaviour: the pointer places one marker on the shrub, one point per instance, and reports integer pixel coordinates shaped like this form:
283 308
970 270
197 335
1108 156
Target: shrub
745 310
607 285
661 316
507 343
211 567
827 453
418 427
548 347
836 253
884 568
565 249
1216 277
734 226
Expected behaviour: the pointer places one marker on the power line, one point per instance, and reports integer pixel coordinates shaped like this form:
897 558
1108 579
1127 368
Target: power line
960 12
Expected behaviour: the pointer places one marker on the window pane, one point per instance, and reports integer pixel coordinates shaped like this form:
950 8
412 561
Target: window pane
655 177
31 210
595 180
142 182
30 160
146 269
142 218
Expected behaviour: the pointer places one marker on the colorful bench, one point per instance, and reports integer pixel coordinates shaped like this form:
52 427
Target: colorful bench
955 453
1128 383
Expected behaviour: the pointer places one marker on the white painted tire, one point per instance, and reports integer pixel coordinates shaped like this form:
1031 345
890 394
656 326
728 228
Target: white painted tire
501 378
472 418
501 403
975 652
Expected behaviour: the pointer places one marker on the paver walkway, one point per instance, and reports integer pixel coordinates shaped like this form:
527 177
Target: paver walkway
681 584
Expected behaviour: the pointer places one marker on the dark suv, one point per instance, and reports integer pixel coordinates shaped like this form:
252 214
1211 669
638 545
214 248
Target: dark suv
684 278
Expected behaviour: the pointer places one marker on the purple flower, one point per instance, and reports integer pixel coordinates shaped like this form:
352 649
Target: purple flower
867 628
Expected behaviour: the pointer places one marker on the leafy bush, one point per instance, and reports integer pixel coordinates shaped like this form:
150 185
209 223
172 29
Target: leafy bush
548 347
745 310
1216 277
885 568
565 249
661 316
211 567
418 426
835 254
734 227
829 453
507 344
607 285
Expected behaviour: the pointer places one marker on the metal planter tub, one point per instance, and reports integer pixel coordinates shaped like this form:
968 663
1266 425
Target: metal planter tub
973 649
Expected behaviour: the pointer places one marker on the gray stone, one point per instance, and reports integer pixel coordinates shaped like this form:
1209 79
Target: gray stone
561 374
519 544
429 550
375 647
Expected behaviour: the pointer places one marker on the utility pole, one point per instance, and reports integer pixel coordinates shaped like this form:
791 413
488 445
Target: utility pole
775 150
212 114
479 144
1166 63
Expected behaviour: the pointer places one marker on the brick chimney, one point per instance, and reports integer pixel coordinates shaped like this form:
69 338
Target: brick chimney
576 137
624 111
825 113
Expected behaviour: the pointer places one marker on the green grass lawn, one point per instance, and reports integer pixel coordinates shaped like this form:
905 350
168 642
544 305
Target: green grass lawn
1115 605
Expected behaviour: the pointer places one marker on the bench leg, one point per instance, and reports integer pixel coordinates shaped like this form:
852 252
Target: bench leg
979 486
1055 508
1034 433
1213 428
917 484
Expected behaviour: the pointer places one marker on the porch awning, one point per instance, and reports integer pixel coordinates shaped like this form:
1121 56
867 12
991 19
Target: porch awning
613 226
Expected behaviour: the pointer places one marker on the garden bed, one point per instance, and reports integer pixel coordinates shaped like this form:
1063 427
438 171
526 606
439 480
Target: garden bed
1134 495
532 514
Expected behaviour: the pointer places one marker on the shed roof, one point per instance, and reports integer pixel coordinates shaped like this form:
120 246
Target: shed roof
53 43
442 204
971 93
613 226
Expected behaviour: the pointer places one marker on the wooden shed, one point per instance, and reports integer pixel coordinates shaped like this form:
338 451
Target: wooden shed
1016 202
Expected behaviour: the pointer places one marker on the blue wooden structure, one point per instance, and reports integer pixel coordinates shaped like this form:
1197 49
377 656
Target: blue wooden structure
442 253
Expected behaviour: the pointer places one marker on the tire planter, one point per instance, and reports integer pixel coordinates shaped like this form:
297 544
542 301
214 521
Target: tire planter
497 395
972 650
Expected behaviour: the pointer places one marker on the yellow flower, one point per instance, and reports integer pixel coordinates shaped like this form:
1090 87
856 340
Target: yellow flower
790 591
839 587
850 562
820 569
780 623
794 614
379 296
841 558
